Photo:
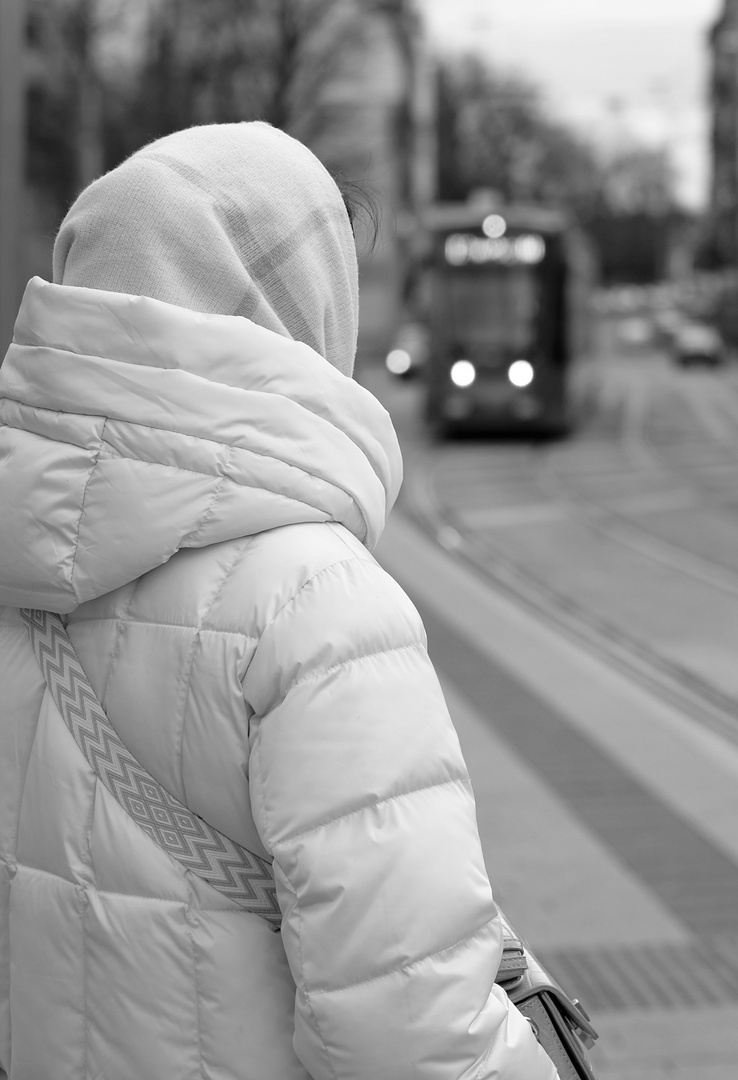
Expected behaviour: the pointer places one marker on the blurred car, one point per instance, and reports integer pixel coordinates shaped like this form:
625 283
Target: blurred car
698 343
408 354
635 331
666 324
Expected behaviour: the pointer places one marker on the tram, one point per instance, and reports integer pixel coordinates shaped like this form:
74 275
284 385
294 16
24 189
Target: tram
502 301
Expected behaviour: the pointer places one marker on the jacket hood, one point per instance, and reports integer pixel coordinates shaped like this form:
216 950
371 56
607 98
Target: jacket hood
132 428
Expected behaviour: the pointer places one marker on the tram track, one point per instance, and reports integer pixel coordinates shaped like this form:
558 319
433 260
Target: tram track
640 659
688 486
615 525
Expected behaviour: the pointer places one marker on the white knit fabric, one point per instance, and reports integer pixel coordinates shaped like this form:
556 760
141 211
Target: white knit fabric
231 219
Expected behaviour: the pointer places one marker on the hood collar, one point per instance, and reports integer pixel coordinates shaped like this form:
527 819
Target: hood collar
133 428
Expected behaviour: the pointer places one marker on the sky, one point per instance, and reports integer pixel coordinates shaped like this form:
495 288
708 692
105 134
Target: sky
630 69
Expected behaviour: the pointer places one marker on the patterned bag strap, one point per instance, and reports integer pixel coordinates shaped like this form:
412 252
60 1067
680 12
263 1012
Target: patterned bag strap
237 873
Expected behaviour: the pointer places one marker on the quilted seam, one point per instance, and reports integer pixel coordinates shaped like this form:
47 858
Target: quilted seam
209 510
302 986
407 966
240 553
462 781
112 454
198 998
388 650
82 505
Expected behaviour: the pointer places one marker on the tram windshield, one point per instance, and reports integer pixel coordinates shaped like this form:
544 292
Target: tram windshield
493 306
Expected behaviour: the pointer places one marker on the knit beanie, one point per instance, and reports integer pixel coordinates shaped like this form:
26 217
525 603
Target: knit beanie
229 219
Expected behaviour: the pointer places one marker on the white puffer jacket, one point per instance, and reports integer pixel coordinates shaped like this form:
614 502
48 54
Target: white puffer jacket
201 496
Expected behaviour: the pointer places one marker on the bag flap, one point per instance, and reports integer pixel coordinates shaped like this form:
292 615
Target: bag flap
569 1008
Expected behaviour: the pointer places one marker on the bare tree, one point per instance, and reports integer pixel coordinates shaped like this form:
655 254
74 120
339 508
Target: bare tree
640 179
69 79
243 59
496 133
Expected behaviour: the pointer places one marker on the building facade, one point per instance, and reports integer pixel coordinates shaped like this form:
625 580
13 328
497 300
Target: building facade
723 210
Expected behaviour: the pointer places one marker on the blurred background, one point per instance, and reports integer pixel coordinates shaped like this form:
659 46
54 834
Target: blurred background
626 117
551 317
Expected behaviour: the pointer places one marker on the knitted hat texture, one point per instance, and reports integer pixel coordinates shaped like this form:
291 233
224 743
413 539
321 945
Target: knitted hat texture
229 219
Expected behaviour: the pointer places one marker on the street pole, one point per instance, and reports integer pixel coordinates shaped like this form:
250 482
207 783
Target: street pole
12 140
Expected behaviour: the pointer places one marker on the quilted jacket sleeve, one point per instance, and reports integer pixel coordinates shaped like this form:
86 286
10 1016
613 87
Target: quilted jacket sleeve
360 792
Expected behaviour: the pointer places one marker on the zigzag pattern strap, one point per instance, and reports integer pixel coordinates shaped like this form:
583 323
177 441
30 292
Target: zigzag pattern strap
237 873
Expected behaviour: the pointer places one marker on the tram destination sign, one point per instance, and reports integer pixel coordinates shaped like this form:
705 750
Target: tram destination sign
464 249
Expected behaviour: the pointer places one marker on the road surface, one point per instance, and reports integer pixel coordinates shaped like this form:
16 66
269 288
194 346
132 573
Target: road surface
581 604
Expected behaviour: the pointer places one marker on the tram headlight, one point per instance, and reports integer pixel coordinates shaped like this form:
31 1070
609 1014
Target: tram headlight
463 373
520 373
398 361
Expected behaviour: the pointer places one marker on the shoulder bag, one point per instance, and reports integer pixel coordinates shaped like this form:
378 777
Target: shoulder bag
559 1022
